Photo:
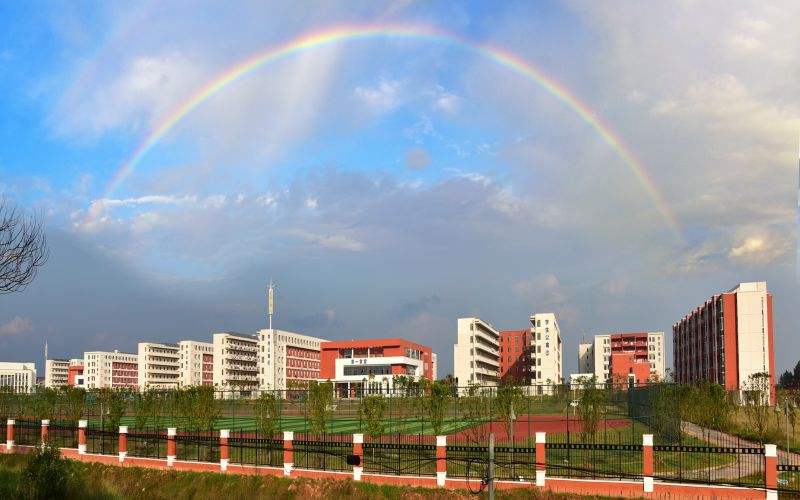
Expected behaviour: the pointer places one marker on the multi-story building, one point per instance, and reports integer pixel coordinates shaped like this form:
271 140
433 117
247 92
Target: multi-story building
114 369
159 365
515 356
56 373
18 377
361 367
727 339
618 357
196 363
545 350
75 377
236 369
287 360
476 354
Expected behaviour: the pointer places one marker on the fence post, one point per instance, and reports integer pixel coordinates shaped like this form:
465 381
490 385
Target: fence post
647 462
358 450
171 454
224 449
441 461
288 453
771 471
10 435
45 430
82 437
541 458
123 443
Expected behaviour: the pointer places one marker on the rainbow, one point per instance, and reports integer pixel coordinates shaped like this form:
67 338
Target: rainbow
347 33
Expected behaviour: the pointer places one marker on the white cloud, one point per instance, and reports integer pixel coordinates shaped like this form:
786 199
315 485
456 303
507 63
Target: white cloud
16 326
384 97
760 250
332 241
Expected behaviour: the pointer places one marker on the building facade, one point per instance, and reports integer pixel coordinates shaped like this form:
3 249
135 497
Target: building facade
56 373
114 369
18 377
159 365
515 356
236 370
727 339
75 376
476 354
545 350
287 360
195 363
361 367
640 354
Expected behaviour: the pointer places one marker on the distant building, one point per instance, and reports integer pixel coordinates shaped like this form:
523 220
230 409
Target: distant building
18 377
75 377
159 365
287 360
727 339
362 367
111 369
546 350
236 369
638 356
195 363
476 354
56 373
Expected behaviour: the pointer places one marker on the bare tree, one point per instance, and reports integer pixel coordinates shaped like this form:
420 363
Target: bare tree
23 247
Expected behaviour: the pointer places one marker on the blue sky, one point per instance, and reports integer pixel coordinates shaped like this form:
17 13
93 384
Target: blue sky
392 186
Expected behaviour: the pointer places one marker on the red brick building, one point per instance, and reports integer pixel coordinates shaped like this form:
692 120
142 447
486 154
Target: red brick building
360 367
515 360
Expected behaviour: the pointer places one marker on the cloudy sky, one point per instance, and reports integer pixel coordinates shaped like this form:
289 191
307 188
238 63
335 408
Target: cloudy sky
392 184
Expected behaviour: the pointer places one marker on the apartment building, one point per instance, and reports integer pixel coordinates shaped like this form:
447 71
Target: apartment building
18 377
515 356
287 360
159 365
195 363
476 354
236 369
75 376
727 339
111 369
362 367
546 350
620 357
56 373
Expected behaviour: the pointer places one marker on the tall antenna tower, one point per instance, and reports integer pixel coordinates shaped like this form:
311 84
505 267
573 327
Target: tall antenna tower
270 301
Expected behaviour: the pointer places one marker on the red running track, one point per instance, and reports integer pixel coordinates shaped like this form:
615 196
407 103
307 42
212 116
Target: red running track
527 425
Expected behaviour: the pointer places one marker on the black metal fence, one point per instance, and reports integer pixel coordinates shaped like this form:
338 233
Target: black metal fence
789 474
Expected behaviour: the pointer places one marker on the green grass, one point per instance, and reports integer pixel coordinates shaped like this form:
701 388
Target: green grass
105 482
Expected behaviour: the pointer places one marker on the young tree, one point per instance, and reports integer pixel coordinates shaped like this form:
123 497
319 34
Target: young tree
268 413
44 403
476 409
23 247
591 406
200 407
144 408
74 403
755 397
371 414
507 403
432 403
319 406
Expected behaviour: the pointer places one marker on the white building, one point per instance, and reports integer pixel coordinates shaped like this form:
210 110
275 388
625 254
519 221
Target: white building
19 377
159 365
196 364
56 373
112 369
546 350
595 357
476 354
236 367
287 360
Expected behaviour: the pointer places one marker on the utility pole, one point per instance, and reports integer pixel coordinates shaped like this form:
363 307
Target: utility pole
490 479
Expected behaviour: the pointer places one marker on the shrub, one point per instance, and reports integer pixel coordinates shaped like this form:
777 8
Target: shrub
48 475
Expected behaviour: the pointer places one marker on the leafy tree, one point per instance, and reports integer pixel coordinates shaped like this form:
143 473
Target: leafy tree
200 407
268 413
432 403
44 403
755 397
370 413
144 408
507 403
319 405
591 407
74 403
47 475
475 410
